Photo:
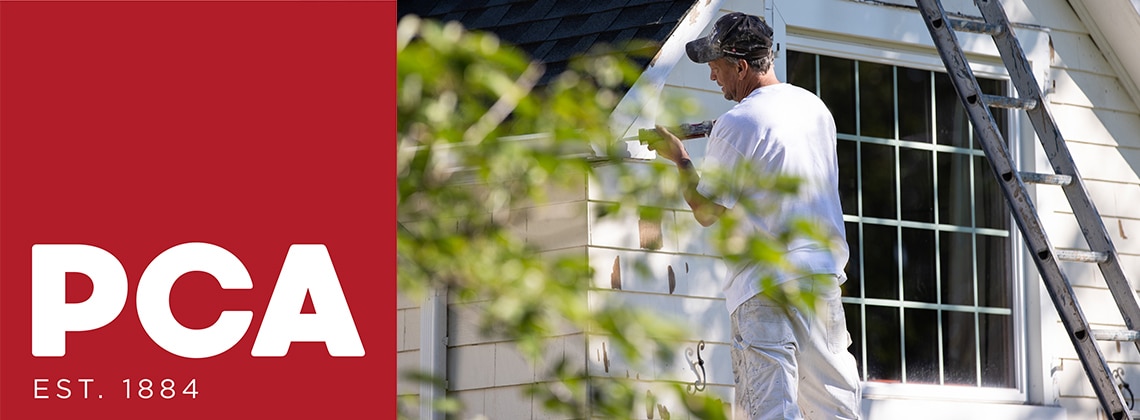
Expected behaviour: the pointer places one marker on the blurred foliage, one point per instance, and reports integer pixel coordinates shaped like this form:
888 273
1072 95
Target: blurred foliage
476 142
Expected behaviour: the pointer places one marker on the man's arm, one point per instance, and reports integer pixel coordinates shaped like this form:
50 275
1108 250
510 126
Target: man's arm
704 210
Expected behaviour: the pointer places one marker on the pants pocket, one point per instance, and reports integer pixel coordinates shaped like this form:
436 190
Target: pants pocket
762 324
838 338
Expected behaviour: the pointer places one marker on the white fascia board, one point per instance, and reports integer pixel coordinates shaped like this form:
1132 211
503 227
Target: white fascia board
638 108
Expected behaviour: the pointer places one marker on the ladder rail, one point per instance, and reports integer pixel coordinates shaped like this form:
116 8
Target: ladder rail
1017 195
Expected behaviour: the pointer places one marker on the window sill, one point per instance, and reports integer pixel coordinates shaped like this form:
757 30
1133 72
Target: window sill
953 394
886 409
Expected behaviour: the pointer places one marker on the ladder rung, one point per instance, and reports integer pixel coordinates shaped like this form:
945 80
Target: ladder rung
1008 102
1051 179
974 26
1116 335
1081 256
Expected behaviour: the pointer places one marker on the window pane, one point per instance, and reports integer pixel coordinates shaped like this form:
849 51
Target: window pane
918 265
997 350
839 91
957 268
878 167
954 189
852 286
848 177
994 271
950 116
884 361
801 70
854 316
880 262
876 100
993 212
921 346
958 348
915 121
916 169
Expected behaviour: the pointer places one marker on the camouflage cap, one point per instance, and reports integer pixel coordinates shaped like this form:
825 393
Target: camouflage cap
736 35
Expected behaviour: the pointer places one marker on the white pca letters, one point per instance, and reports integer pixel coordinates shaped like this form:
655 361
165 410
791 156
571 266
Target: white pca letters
308 269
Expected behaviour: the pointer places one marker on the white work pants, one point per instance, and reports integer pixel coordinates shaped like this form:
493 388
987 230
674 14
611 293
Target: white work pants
792 365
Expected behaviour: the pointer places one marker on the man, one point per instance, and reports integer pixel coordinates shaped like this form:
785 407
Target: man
788 363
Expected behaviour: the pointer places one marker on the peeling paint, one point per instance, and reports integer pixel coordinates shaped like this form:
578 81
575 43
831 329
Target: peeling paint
615 276
649 400
1120 224
605 358
672 280
1052 51
649 234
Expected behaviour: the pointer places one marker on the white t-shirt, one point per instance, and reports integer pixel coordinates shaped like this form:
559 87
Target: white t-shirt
777 129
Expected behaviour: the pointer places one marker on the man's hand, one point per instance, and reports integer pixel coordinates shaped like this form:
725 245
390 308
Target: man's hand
669 147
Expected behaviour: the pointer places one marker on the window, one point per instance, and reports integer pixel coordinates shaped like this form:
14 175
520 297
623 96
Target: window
929 296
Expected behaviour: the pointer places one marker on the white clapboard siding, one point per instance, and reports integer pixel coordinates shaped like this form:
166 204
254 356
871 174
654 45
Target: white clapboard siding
1072 50
654 401
1088 275
1075 384
1064 232
1112 198
657 273
510 402
1097 125
624 228
407 347
674 231
702 318
557 226
604 360
1082 88
406 363
606 184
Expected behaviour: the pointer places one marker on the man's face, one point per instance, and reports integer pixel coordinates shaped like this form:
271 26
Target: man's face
725 73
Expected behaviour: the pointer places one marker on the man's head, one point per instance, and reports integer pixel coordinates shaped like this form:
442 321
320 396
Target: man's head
738 52
735 35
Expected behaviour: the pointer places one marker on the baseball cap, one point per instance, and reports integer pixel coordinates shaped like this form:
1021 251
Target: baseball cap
736 35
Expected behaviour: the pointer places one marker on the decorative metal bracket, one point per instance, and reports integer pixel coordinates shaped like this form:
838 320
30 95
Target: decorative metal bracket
1124 388
702 380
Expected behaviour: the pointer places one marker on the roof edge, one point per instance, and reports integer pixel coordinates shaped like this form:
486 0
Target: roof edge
1115 26
637 109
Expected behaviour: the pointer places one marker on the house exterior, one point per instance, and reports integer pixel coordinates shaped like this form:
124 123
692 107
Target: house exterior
946 310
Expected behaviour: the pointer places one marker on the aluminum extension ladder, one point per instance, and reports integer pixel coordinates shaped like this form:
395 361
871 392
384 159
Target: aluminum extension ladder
1103 253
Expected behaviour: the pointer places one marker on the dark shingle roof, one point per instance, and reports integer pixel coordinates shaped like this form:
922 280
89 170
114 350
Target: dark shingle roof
554 31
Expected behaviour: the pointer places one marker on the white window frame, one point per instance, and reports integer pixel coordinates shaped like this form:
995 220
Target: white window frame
898 36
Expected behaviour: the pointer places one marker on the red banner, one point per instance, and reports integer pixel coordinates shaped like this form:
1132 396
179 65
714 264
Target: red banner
194 210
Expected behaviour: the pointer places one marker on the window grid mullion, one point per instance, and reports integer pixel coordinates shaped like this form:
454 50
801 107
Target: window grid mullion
898 229
859 209
937 236
974 259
